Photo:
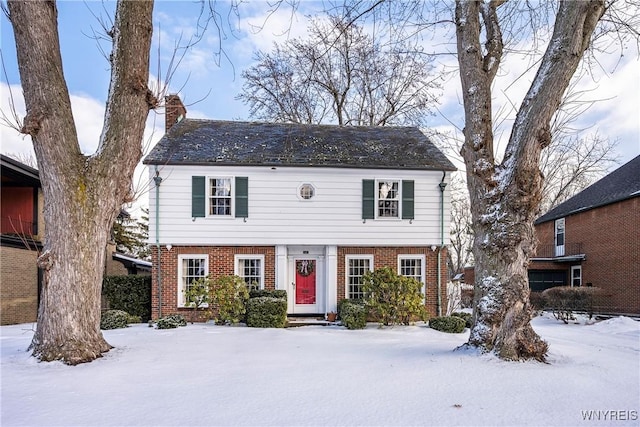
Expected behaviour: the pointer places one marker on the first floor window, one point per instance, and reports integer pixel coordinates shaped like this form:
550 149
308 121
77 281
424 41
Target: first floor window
220 196
576 275
191 268
356 269
412 266
251 269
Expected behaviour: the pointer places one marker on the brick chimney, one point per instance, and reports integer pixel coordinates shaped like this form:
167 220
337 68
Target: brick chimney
174 111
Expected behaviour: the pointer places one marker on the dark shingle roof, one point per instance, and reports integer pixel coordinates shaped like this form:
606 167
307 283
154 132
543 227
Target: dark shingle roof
621 184
206 142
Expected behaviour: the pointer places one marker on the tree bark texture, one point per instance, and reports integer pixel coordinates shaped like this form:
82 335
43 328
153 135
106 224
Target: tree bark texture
82 194
505 197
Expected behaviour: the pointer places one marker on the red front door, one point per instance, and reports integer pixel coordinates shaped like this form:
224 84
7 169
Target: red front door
305 281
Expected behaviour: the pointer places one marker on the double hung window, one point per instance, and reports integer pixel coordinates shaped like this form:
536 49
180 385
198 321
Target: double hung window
251 269
356 267
191 268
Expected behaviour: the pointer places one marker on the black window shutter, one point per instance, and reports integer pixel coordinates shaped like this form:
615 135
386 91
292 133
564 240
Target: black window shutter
198 189
242 197
368 199
407 199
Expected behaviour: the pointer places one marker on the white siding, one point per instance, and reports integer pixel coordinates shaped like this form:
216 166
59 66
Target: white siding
277 216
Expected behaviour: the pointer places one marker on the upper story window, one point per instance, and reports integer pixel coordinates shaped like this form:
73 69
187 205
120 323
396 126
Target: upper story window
306 191
559 237
220 196
388 196
388 199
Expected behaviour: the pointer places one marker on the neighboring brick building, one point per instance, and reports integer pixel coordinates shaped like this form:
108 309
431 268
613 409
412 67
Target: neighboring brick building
304 208
593 239
22 229
21 237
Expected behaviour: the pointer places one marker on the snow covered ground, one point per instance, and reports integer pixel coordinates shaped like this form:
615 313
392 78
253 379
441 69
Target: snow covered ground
214 375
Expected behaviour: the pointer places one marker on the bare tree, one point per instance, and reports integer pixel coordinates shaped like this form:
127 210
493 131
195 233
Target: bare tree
460 252
505 196
83 194
341 74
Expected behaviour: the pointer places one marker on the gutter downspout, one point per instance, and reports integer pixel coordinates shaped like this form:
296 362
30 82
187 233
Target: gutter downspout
158 180
442 186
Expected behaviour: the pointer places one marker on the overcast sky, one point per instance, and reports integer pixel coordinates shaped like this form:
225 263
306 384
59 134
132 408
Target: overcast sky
209 81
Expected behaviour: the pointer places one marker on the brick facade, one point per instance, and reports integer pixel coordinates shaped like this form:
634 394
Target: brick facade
19 290
608 236
221 263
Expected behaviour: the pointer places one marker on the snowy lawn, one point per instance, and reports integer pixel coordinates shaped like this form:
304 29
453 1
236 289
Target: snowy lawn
214 375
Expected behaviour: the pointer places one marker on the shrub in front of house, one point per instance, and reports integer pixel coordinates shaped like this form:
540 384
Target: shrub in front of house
393 299
537 301
228 295
467 317
266 312
352 314
272 293
450 324
171 321
129 293
563 301
114 319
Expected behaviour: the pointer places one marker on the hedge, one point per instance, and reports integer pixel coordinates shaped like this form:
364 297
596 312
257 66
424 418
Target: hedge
129 293
266 312
352 313
272 293
450 324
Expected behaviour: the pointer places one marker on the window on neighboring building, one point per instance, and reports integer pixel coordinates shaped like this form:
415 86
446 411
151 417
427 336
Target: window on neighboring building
576 275
251 269
190 269
412 266
388 199
357 266
220 196
559 236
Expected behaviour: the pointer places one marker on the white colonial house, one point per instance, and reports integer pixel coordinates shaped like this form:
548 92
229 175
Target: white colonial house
304 208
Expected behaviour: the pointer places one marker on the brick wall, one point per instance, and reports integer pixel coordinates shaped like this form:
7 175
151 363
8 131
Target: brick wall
388 257
221 263
609 237
18 286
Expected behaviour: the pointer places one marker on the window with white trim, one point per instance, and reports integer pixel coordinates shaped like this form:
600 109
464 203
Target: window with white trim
576 275
356 267
251 269
388 198
220 196
412 266
559 237
190 269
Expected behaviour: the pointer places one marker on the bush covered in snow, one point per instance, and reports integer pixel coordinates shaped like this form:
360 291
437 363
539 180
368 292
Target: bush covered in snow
266 312
114 319
352 313
467 317
450 324
171 321
393 299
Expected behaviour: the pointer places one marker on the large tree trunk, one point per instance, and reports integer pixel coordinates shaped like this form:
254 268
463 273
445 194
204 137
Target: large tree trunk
505 197
82 194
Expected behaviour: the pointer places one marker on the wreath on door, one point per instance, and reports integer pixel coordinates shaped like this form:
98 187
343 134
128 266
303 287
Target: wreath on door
305 267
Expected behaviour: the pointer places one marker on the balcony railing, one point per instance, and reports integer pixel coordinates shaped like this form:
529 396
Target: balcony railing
549 251
9 225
